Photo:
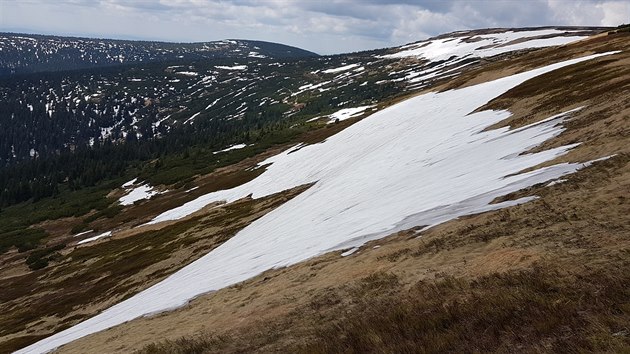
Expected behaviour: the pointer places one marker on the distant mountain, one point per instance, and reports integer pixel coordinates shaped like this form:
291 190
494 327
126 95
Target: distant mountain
28 53
218 98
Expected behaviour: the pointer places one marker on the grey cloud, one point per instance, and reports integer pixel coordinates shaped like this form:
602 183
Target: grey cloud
322 26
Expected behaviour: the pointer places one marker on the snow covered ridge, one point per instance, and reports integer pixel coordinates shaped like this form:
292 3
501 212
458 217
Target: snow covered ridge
424 161
484 45
33 53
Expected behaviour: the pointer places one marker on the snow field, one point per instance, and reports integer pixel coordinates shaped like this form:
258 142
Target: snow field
482 45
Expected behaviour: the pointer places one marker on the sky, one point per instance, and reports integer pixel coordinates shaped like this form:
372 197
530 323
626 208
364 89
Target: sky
322 26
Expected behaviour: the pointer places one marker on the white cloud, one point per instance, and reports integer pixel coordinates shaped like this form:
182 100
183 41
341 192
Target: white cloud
593 13
615 12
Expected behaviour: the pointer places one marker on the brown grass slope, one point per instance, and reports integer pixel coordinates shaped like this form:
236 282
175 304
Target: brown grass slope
546 276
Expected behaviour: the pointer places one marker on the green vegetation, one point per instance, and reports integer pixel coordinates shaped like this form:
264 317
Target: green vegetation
109 121
81 283
16 221
22 238
74 183
625 28
39 259
32 53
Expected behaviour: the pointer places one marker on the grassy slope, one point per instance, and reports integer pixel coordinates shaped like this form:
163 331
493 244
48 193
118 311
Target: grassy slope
550 275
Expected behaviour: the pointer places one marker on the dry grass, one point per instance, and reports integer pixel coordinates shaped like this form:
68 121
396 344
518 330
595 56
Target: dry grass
570 295
538 310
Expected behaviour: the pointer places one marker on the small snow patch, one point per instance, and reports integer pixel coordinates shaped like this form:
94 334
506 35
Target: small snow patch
104 234
144 191
130 183
348 113
235 67
349 252
83 233
558 181
340 69
233 147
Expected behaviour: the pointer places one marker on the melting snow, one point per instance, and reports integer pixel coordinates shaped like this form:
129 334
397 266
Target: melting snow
233 147
138 193
349 252
348 113
420 162
94 238
235 67
192 117
130 183
83 233
255 55
558 181
340 69
187 73
343 114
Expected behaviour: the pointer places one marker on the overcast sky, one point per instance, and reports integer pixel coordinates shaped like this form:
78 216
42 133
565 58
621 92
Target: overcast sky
326 27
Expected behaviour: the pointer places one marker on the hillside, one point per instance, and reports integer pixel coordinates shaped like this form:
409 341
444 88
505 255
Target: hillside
29 53
52 123
463 193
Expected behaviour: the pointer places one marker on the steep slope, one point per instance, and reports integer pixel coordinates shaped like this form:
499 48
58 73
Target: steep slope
546 275
452 105
28 53
334 173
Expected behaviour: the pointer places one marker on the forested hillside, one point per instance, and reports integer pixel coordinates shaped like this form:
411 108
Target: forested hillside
28 53
66 126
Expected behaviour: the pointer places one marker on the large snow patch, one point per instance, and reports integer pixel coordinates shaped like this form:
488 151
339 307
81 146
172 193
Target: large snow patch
420 162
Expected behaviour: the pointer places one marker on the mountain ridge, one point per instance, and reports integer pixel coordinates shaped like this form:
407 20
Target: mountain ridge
31 53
